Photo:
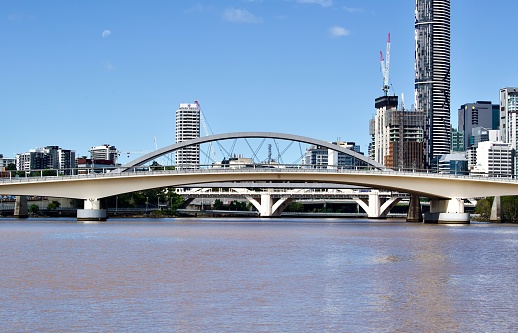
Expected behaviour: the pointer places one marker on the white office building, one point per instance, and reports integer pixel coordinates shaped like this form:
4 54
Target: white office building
494 159
188 128
104 152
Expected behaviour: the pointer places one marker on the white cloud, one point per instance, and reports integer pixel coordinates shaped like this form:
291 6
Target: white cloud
240 15
339 32
323 3
195 8
15 17
353 10
106 33
108 66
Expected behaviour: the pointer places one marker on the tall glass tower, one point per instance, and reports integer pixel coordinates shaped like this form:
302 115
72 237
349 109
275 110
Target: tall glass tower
432 75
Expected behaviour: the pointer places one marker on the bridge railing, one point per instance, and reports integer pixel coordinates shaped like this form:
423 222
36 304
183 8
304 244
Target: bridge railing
75 173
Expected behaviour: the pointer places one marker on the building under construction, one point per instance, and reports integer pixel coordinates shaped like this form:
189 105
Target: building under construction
396 135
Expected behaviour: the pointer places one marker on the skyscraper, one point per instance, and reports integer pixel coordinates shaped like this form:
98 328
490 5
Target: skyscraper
473 115
188 128
508 118
432 74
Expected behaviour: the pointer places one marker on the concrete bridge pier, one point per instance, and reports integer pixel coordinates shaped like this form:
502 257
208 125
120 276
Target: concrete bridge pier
497 211
444 211
92 211
414 210
268 207
20 207
373 206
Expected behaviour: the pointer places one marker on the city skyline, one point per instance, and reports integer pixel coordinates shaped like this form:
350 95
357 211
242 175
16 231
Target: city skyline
80 75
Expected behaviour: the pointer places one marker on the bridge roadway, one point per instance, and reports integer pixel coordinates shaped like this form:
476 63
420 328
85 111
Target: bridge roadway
445 191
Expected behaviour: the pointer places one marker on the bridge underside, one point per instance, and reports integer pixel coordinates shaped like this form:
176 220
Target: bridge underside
446 193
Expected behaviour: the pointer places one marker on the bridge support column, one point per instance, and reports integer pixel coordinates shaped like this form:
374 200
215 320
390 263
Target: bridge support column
92 211
446 211
497 211
414 210
374 208
20 207
268 207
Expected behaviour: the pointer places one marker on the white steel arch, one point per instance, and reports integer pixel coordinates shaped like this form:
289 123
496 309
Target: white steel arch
241 135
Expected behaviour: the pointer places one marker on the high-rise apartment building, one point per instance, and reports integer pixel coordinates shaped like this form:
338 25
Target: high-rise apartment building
188 128
508 123
49 157
432 75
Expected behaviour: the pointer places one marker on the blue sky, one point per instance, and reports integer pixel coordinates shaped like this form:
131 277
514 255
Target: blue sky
84 73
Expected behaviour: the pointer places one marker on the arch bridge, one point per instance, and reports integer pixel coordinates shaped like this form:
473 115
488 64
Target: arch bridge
246 135
445 191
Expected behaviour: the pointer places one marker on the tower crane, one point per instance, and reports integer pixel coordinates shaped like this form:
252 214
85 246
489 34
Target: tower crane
385 67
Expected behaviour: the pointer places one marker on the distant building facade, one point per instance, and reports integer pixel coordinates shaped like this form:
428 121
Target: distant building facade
88 165
472 115
494 159
4 162
336 158
457 141
324 158
238 161
49 157
454 163
397 136
188 128
104 152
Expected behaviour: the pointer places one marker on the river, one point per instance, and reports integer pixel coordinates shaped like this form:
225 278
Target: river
257 275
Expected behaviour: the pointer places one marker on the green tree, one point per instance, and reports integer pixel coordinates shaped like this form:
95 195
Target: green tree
510 209
173 200
483 208
53 205
295 207
218 204
34 209
10 167
48 172
150 198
